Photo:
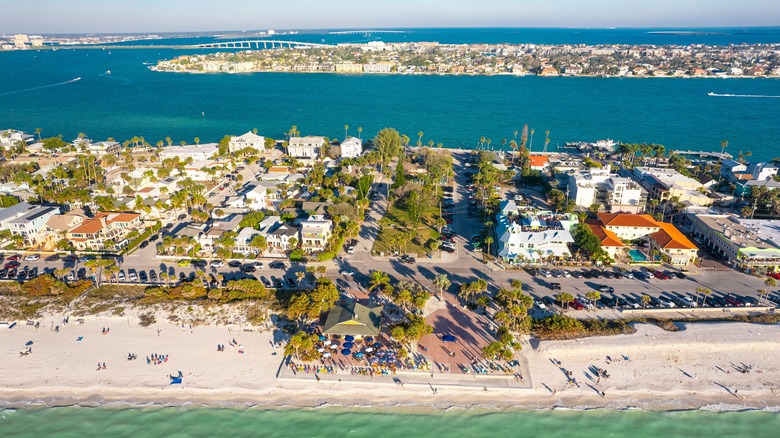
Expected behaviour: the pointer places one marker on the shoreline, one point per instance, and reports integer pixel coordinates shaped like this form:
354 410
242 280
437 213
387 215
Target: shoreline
61 372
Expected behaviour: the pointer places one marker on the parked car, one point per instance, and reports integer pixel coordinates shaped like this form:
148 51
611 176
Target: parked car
248 268
347 272
120 276
605 288
290 282
132 275
266 282
31 257
184 262
142 276
217 263
733 300
52 258
234 264
576 305
144 244
152 275
3 272
666 302
277 282
555 286
545 273
277 265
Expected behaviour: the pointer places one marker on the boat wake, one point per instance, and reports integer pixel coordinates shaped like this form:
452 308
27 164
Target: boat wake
757 96
41 87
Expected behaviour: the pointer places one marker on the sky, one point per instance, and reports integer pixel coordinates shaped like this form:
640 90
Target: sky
148 16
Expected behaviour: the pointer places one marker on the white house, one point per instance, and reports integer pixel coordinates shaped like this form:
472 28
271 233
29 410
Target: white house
351 148
248 140
26 220
198 152
305 148
256 197
9 138
279 239
315 232
518 243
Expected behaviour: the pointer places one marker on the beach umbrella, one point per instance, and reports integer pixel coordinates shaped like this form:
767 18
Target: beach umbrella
349 338
327 342
335 342
334 346
346 352
377 345
323 337
348 345
359 354
326 355
369 350
320 350
369 339
28 343
449 338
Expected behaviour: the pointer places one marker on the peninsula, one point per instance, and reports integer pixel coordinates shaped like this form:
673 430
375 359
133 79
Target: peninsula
612 60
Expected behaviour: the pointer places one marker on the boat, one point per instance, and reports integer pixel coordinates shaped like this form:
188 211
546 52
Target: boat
108 72
711 94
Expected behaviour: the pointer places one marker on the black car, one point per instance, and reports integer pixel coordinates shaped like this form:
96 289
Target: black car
550 301
234 264
605 288
248 268
276 265
290 282
52 258
266 282
448 249
12 273
277 282
406 258
144 244
586 274
82 274
21 275
680 275
142 275
169 225
154 237
555 286
182 276
3 272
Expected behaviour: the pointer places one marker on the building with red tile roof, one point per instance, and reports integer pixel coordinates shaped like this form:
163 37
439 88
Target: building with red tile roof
112 227
673 244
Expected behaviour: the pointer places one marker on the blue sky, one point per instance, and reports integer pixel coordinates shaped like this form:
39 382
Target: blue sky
81 16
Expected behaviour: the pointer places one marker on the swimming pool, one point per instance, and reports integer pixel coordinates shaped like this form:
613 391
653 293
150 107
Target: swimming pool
637 255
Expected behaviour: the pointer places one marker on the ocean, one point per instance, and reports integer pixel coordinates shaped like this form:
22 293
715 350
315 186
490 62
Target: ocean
79 422
70 91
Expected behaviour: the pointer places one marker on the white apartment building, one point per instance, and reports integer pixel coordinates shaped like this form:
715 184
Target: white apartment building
199 152
305 148
26 220
248 140
598 186
351 148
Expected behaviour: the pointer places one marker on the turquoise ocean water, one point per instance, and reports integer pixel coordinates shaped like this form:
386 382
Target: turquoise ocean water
382 422
38 90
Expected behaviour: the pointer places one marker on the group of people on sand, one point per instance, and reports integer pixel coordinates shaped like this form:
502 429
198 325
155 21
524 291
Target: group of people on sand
156 359
101 367
106 330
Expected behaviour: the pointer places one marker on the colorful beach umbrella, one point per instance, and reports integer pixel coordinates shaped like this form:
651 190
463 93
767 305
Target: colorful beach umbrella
346 352
349 338
348 345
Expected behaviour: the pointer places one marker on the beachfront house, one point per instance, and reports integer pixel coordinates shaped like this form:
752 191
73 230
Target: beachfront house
248 140
351 148
752 245
200 152
27 220
105 231
315 232
305 149
534 237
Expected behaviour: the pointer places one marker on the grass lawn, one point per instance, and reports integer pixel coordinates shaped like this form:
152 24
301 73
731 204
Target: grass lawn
399 224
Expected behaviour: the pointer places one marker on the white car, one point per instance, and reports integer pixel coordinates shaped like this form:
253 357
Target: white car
347 272
351 249
545 273
540 304
566 274
665 302
32 257
217 263
689 300
121 276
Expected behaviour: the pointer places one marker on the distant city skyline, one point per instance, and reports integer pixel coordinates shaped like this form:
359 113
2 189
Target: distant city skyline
147 16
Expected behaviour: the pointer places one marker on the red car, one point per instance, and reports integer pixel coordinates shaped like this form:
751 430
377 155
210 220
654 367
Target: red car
11 265
576 305
13 257
775 275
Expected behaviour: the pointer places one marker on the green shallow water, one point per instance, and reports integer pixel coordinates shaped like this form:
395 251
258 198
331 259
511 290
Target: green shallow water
379 422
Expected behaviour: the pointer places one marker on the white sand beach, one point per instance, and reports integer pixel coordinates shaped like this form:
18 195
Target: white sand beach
730 365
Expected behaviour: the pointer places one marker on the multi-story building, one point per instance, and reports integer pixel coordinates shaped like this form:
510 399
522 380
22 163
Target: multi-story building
598 186
104 231
664 184
315 232
749 244
279 240
200 152
305 148
27 220
673 246
629 227
351 148
248 140
534 237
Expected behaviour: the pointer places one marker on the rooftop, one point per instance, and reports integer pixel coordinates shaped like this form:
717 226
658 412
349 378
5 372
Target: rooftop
354 319
669 237
627 220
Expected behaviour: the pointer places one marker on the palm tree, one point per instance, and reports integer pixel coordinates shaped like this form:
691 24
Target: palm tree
593 296
546 139
378 279
531 145
564 298
419 138
442 282
38 131
360 130
704 292
488 241
346 131
645 301
762 293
